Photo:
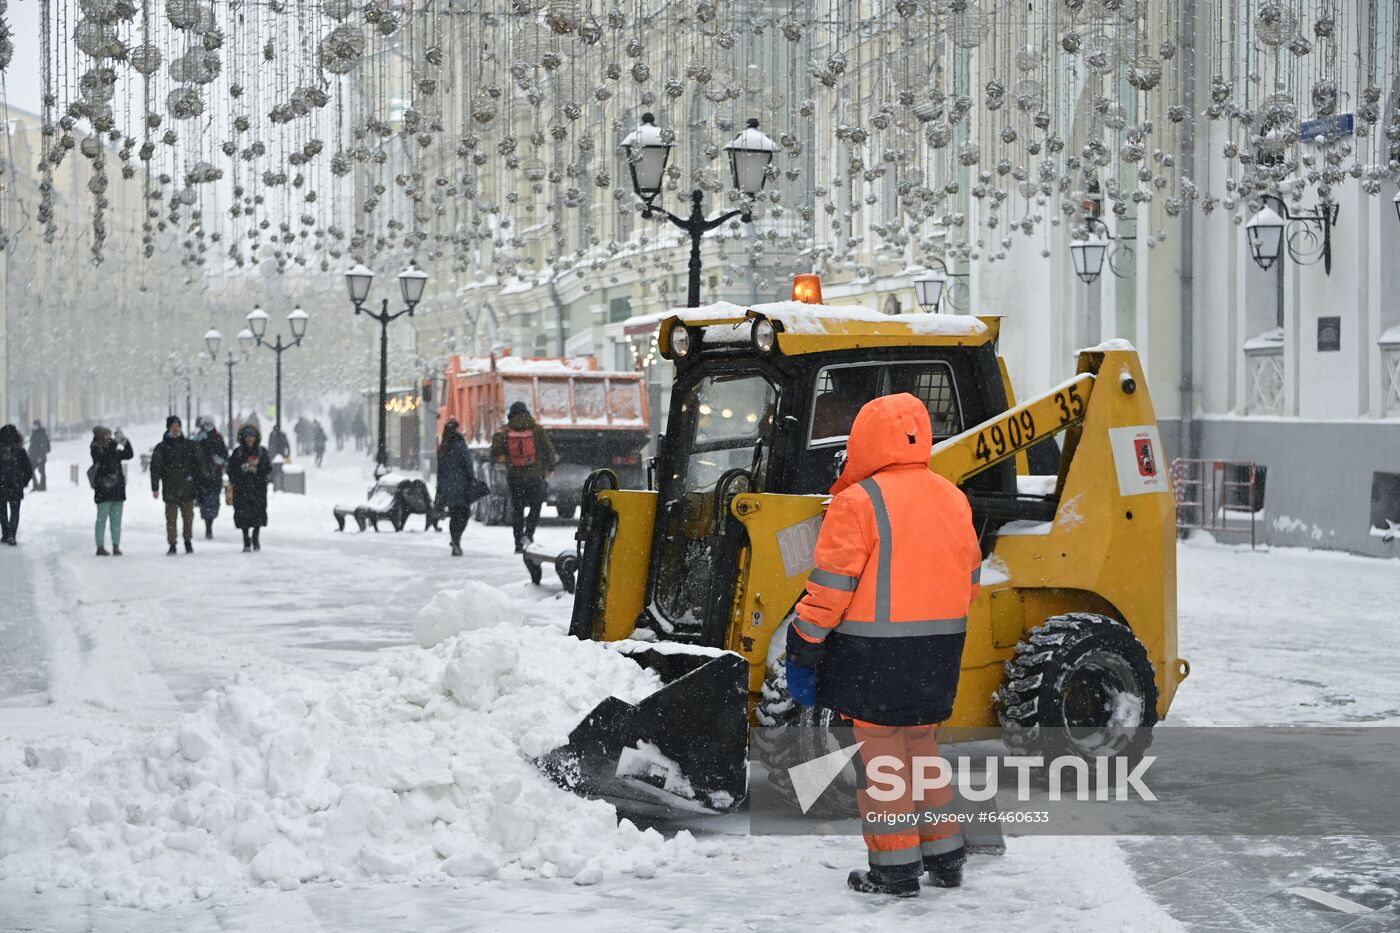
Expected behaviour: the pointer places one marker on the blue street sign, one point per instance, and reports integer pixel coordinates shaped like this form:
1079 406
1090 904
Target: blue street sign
1330 128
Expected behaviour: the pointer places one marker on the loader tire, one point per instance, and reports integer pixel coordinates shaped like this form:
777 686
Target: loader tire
780 753
1080 684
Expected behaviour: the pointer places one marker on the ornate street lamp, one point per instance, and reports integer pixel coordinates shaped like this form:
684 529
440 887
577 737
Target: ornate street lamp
1264 233
1310 240
1099 245
257 326
212 339
928 288
412 281
750 154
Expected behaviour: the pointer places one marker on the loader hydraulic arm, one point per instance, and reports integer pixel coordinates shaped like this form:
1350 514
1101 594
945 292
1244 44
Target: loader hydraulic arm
983 446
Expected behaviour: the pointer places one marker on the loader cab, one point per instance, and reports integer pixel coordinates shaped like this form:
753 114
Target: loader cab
747 417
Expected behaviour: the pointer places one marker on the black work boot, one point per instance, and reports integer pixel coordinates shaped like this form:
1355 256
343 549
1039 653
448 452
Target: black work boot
189 546
946 870
872 882
172 549
456 549
208 529
257 545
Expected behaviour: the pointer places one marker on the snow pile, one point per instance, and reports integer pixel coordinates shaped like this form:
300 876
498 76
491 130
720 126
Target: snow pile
417 768
475 606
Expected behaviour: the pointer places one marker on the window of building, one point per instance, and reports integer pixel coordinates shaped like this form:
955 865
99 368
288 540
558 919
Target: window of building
619 309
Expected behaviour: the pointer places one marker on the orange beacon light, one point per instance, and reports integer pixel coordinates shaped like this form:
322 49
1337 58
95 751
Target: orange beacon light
807 288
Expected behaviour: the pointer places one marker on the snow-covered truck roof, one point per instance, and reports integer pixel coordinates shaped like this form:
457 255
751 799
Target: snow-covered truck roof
809 328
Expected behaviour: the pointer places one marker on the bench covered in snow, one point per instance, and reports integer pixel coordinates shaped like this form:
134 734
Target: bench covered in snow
392 498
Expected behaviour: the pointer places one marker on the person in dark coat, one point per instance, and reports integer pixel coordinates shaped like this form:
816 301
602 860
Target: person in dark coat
318 440
529 458
361 431
278 445
15 473
109 485
213 454
454 482
249 466
39 456
175 465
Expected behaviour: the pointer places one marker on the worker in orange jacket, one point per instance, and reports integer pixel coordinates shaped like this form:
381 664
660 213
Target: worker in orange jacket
878 636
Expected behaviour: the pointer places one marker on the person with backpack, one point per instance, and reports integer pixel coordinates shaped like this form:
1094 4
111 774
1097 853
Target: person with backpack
15 473
529 458
108 482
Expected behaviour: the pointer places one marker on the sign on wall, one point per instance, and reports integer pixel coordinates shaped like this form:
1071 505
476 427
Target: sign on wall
1329 334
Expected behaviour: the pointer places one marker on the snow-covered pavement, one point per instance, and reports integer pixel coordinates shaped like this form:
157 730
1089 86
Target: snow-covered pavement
100 655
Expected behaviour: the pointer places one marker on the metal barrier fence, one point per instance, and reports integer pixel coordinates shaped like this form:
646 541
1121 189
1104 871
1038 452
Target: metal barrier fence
1222 497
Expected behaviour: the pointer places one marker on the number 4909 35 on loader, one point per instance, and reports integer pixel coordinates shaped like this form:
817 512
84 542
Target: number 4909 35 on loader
1076 622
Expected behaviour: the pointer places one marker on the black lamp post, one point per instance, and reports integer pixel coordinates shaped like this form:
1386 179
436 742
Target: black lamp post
257 324
212 339
411 283
750 154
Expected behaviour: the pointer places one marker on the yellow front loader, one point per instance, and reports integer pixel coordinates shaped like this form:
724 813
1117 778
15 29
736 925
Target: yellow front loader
1076 623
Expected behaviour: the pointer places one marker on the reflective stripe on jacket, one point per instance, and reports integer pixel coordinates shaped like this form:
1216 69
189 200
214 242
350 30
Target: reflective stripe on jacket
897 564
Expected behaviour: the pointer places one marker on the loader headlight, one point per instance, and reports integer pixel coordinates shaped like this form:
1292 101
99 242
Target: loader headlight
679 339
764 335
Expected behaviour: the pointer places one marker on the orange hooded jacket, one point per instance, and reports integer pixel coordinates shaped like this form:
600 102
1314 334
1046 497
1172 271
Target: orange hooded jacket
897 565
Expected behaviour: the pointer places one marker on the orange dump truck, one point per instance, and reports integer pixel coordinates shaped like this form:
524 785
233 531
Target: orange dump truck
595 419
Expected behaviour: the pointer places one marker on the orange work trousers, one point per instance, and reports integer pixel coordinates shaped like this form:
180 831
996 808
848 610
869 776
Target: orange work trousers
903 831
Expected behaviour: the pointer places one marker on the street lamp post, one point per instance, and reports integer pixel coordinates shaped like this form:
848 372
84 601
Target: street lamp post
750 154
1309 241
257 324
212 339
411 283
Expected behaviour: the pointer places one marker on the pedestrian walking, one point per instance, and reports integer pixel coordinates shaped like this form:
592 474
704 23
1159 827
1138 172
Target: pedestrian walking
878 635
318 440
361 431
528 455
175 477
108 480
213 455
456 482
302 430
39 455
338 426
249 466
16 472
277 443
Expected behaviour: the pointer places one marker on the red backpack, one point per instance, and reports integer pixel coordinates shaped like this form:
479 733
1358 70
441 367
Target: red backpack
520 447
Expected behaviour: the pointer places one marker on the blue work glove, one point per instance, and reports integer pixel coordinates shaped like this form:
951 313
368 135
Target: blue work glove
802 683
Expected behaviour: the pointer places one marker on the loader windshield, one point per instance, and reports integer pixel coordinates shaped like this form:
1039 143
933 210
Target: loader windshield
725 417
723 423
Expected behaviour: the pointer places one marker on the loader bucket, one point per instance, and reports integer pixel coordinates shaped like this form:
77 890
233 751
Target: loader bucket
683 749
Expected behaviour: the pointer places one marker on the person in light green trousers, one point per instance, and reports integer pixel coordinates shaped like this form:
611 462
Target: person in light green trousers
108 481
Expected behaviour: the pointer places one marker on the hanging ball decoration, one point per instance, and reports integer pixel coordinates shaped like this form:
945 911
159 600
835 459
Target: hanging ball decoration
1325 25
98 39
98 84
1324 97
184 103
192 15
1145 74
341 49
590 30
1071 42
1028 58
1275 24
196 66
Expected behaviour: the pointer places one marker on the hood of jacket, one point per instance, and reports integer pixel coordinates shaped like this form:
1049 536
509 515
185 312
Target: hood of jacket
521 422
9 434
249 431
891 431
